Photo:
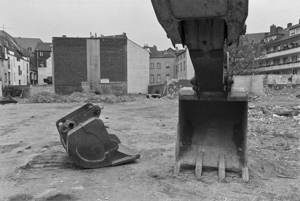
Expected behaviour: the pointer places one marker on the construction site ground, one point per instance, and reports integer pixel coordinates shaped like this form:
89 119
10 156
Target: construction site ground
34 164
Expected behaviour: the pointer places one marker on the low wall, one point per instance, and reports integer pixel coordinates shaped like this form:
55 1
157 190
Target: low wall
156 89
253 83
175 85
171 87
34 89
113 88
283 79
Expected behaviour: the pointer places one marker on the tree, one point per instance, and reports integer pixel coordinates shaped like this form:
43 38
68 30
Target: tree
245 56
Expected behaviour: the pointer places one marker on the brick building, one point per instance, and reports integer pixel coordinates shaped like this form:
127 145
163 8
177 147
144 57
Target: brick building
282 48
108 64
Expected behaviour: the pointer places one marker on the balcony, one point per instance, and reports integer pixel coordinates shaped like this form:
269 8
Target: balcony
282 66
282 52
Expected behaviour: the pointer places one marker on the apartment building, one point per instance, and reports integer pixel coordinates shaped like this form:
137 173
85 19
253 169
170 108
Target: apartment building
162 65
184 68
282 50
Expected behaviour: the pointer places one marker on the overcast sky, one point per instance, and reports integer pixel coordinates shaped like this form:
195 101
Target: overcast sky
45 19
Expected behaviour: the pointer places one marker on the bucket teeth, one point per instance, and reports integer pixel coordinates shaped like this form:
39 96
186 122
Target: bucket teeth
177 168
245 174
222 166
199 162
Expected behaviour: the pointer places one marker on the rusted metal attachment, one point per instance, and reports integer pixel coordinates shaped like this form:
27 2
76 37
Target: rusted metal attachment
87 142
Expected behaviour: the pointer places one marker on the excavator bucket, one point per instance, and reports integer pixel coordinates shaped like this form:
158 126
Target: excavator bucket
212 128
87 142
212 133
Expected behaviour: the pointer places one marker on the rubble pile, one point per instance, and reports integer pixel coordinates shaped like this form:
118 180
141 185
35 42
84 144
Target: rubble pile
77 97
274 95
47 97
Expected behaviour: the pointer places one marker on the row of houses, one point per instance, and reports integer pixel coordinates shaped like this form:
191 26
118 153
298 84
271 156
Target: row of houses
115 64
24 61
108 64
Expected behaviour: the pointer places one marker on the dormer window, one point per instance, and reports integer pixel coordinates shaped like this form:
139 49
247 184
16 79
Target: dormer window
295 31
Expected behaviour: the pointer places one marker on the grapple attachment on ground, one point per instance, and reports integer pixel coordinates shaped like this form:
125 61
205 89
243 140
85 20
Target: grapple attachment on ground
87 142
212 129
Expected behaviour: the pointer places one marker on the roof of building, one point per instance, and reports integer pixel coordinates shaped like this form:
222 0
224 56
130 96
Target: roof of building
169 53
283 34
179 52
28 42
10 43
256 37
46 47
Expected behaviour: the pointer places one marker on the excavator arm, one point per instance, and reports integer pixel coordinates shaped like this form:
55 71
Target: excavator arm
212 128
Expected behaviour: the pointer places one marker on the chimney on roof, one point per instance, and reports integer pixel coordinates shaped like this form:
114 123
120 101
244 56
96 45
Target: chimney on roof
289 25
96 35
64 36
272 29
278 29
124 33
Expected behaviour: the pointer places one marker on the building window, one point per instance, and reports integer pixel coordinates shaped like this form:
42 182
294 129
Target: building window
152 65
42 64
295 71
167 77
27 69
184 65
167 65
41 54
151 78
8 63
181 67
19 82
158 78
158 65
5 77
19 70
183 55
29 48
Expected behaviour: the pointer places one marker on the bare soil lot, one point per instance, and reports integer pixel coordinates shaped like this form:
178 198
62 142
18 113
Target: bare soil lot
34 165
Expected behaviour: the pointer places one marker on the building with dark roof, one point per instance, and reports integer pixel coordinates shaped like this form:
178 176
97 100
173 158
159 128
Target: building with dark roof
14 62
282 49
28 43
256 37
43 59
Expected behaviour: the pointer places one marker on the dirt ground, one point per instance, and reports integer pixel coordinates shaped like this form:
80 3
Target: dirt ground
34 165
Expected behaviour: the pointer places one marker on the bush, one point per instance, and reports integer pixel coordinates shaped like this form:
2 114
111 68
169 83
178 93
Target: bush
13 91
